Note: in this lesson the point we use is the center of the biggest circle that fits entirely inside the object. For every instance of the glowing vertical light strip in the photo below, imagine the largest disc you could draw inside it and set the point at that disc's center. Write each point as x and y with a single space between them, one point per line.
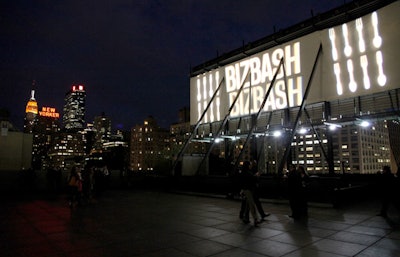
218 100
198 97
361 43
352 82
198 90
377 41
205 88
210 94
205 96
332 37
379 62
364 66
347 47
339 87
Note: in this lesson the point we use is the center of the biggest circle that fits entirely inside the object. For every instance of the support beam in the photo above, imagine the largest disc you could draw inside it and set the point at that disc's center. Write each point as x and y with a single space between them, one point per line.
302 106
251 131
183 149
222 126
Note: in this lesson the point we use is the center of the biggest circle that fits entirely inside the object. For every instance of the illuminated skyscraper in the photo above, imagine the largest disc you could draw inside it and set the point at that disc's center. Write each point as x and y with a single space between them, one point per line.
149 146
102 126
45 131
74 108
31 112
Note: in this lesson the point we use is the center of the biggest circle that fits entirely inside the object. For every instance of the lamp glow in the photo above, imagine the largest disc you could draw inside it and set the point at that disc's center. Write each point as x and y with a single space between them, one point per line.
332 127
365 124
218 140
303 131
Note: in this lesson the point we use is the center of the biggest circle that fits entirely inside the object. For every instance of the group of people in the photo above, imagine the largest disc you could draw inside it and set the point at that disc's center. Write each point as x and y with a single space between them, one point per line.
84 183
298 182
297 179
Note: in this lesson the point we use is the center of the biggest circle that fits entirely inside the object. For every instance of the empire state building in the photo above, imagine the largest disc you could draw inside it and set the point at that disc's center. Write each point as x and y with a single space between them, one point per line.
31 112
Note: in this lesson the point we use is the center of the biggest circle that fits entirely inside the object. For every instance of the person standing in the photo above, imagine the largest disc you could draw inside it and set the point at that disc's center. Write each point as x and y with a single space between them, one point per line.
74 186
87 184
303 203
294 189
386 190
248 186
256 194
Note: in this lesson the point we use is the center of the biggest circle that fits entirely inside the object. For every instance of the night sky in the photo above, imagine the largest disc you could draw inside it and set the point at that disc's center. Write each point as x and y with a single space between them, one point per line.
133 57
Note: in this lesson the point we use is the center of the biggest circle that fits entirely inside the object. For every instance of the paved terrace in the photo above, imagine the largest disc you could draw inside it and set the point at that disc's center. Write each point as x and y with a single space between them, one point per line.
148 223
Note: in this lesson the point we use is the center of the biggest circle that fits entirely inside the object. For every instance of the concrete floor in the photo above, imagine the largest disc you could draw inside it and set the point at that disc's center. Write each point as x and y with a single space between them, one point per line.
145 223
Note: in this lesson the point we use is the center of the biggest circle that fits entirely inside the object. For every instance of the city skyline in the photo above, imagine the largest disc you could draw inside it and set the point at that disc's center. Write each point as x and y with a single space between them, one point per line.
134 59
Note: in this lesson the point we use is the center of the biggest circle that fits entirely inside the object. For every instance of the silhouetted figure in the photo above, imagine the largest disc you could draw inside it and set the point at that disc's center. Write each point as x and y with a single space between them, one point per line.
248 185
397 188
101 179
54 178
28 179
256 195
87 184
51 180
387 184
294 192
74 186
303 202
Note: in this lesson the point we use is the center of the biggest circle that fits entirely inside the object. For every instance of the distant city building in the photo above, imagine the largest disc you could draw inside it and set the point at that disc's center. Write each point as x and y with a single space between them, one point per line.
15 148
394 139
70 145
149 147
355 148
184 115
116 152
182 128
102 128
180 133
31 112
44 133
74 108
90 136
67 149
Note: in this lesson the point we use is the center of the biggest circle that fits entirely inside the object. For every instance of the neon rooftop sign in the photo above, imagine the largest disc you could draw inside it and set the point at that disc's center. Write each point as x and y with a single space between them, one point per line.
49 112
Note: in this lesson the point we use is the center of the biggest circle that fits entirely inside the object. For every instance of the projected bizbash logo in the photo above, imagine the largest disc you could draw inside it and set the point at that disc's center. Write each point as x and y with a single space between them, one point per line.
352 63
357 52
254 75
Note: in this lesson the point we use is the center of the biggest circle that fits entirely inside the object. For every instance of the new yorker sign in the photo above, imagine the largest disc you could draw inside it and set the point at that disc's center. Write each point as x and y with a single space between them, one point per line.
49 112
359 58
